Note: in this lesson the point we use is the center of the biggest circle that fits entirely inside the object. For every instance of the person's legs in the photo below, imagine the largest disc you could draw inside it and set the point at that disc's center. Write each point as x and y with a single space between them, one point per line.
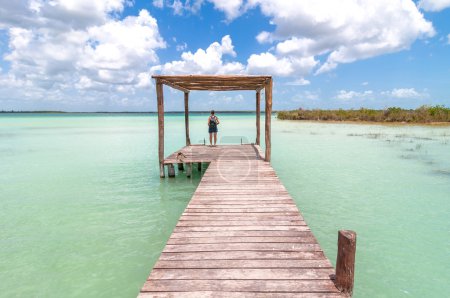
210 138
215 138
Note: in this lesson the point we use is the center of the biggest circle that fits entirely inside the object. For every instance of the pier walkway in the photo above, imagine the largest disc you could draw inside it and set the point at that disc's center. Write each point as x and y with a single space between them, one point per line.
240 235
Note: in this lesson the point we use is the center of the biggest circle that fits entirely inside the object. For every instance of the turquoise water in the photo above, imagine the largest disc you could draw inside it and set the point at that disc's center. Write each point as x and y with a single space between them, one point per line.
83 211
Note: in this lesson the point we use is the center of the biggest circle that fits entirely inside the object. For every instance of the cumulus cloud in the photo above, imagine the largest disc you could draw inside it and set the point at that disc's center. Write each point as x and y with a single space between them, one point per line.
205 61
434 5
347 95
231 8
343 31
70 46
405 93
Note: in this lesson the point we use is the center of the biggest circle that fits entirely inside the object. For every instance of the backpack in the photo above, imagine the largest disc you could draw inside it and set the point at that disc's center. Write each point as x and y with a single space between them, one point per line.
212 122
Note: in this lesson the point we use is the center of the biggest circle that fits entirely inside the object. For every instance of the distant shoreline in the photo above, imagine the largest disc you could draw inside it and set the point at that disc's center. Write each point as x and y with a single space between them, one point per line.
425 115
125 112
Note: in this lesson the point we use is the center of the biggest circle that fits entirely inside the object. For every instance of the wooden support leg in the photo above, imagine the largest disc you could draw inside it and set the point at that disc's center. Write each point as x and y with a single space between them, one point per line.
162 172
171 170
188 169
345 263
180 166
199 166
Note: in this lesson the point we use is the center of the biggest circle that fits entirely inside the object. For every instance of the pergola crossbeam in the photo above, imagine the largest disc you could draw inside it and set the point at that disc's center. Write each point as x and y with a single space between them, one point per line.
175 86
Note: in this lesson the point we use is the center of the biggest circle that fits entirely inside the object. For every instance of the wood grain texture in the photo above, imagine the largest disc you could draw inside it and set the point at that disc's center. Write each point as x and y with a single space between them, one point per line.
241 235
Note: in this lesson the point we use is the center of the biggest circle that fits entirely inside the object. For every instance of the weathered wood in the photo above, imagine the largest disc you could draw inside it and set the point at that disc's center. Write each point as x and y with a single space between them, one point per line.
188 169
180 166
293 286
160 100
174 86
243 255
171 170
241 232
241 273
186 117
345 263
277 263
258 117
268 107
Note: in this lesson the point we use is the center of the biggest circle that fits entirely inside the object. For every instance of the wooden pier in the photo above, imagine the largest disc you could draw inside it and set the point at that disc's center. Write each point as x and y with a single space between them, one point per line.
241 234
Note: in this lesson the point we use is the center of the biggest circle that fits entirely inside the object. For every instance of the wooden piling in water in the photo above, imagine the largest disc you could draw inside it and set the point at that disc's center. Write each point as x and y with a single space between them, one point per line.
180 166
171 170
345 263
188 169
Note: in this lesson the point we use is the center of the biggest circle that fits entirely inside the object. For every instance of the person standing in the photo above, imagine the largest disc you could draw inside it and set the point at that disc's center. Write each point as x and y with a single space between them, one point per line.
213 121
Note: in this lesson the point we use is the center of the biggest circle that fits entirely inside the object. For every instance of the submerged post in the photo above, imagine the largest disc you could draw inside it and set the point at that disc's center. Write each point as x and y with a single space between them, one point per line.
186 117
268 93
345 263
160 100
258 117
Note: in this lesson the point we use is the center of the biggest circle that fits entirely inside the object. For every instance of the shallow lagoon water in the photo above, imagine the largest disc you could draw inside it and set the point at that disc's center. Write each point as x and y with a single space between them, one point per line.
83 211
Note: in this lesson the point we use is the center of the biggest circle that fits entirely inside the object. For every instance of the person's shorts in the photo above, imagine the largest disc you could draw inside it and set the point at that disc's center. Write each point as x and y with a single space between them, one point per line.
212 129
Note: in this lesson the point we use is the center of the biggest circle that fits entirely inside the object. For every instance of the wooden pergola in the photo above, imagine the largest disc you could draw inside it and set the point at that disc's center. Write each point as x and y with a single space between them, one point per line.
186 83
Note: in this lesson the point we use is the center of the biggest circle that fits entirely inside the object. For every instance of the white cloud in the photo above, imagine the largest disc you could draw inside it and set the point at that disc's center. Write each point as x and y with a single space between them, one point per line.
347 95
71 47
405 93
181 47
343 31
231 8
158 3
299 82
204 61
267 63
433 5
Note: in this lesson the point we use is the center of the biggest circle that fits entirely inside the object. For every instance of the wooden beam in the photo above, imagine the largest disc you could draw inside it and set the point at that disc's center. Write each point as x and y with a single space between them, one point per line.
186 117
268 94
258 117
345 263
175 86
160 100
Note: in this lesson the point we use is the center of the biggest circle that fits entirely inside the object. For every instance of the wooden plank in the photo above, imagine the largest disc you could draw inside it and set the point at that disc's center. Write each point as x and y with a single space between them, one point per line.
242 228
242 240
302 286
208 234
211 223
243 255
243 246
275 263
224 294
242 273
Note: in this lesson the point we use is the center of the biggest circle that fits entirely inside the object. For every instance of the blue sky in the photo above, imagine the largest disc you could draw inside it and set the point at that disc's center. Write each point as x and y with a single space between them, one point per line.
84 55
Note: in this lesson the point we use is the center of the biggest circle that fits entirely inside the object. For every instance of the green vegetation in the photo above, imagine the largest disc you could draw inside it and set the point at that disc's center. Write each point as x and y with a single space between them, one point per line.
424 114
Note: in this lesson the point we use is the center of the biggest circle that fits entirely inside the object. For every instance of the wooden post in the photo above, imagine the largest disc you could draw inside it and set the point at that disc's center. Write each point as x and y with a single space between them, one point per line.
345 263
171 170
180 166
258 117
160 99
186 117
199 166
188 169
268 92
